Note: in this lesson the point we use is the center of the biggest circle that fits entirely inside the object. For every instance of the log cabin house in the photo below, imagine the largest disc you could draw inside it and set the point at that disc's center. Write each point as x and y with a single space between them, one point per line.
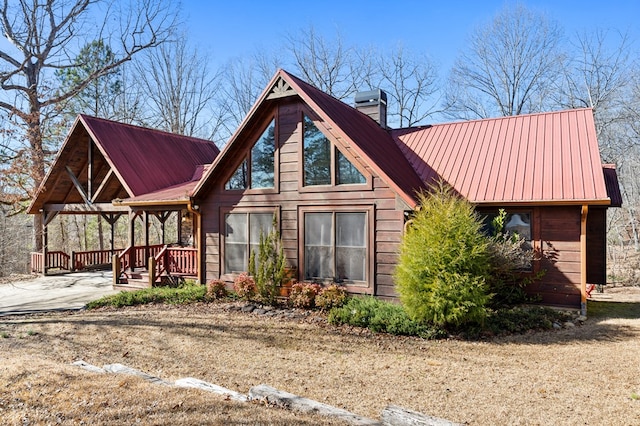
341 185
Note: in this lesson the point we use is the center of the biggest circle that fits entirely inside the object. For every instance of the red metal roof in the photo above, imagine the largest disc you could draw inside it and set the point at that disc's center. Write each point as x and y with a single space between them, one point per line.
538 158
176 194
147 160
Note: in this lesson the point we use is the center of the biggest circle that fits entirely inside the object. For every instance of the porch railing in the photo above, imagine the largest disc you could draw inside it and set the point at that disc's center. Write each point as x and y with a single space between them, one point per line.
87 259
139 254
55 260
177 261
37 262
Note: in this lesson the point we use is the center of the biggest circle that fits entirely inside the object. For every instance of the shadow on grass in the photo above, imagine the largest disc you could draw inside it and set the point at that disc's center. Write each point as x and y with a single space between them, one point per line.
599 310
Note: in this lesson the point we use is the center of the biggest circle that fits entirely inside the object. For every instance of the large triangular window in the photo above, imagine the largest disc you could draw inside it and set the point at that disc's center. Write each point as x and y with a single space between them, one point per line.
257 171
320 166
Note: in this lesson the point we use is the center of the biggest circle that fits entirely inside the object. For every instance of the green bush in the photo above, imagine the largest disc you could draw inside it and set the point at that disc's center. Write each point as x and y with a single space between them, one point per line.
185 294
380 316
520 319
268 265
443 266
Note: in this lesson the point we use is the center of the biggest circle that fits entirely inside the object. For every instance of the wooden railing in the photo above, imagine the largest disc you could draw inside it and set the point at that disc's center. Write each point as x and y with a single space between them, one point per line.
87 259
139 254
57 260
37 262
175 261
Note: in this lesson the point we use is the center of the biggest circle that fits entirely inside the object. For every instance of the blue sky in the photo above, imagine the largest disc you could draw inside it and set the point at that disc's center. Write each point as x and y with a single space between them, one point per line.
236 28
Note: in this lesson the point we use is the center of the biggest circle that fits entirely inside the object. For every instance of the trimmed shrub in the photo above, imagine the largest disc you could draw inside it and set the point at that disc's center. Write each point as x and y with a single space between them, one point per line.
443 265
176 296
332 296
303 295
244 286
268 265
216 290
381 317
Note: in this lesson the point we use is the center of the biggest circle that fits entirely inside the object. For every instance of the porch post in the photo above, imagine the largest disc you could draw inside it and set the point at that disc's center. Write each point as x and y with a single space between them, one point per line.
132 239
179 222
583 260
146 239
45 244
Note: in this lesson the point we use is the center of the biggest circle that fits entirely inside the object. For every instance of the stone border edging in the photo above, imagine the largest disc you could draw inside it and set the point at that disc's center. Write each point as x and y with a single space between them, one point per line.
293 402
391 416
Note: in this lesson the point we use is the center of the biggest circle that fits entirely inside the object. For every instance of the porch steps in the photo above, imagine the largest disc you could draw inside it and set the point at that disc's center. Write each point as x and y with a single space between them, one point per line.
131 281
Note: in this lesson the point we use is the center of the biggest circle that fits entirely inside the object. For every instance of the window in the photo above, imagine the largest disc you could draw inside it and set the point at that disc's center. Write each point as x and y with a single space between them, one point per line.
241 236
515 223
317 167
335 246
258 170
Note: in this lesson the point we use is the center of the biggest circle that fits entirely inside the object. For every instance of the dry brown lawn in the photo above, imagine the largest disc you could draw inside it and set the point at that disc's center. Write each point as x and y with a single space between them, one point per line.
586 375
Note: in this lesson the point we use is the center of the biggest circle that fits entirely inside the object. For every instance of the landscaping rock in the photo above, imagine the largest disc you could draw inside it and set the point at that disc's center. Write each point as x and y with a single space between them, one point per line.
248 308
123 369
568 324
296 403
190 382
398 416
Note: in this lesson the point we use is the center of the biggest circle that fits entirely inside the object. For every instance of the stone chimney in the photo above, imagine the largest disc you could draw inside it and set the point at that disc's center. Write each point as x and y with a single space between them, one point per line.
374 104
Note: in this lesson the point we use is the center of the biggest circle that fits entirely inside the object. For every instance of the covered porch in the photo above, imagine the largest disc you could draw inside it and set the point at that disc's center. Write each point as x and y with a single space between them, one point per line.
119 173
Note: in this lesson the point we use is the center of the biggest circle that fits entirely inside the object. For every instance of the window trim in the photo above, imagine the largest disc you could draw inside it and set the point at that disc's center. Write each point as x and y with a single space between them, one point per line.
224 211
345 151
246 156
368 284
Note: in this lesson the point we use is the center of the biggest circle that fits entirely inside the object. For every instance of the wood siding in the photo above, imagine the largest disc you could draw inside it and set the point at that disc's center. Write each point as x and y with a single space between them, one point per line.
559 235
290 201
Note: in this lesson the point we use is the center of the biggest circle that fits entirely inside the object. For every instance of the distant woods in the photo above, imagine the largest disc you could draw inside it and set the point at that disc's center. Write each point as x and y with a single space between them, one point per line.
66 58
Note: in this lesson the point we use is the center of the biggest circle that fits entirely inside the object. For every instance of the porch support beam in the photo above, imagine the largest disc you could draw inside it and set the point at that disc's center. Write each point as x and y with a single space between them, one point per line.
583 260
104 183
85 208
78 186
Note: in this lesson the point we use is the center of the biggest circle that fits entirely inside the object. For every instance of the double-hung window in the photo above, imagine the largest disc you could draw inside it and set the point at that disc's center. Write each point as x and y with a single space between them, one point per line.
241 236
335 246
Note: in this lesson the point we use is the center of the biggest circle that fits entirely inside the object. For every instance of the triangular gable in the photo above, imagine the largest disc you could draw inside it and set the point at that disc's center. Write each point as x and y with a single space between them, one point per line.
128 161
70 170
147 159
372 143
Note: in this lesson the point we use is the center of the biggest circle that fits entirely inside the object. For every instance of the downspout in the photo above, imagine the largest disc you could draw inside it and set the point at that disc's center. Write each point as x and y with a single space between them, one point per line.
197 220
583 260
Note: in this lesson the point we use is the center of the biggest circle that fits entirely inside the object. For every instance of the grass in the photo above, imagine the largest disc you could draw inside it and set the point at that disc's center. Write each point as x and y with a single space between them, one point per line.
342 366
188 293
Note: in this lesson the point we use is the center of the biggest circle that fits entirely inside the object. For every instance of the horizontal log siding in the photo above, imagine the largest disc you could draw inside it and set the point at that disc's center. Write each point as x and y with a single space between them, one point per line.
559 234
387 217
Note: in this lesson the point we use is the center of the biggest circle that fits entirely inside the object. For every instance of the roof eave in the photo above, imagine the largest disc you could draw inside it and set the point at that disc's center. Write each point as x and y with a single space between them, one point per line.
541 203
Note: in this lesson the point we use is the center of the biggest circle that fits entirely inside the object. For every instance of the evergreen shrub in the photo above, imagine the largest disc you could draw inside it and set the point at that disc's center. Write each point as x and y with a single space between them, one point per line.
443 266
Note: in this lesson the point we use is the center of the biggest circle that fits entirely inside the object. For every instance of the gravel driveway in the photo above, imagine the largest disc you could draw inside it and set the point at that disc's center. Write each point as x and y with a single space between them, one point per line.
54 293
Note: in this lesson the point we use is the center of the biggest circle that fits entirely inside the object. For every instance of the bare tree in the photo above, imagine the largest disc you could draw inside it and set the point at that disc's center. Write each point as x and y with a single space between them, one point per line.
180 89
44 36
410 81
329 65
508 68
243 81
597 76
